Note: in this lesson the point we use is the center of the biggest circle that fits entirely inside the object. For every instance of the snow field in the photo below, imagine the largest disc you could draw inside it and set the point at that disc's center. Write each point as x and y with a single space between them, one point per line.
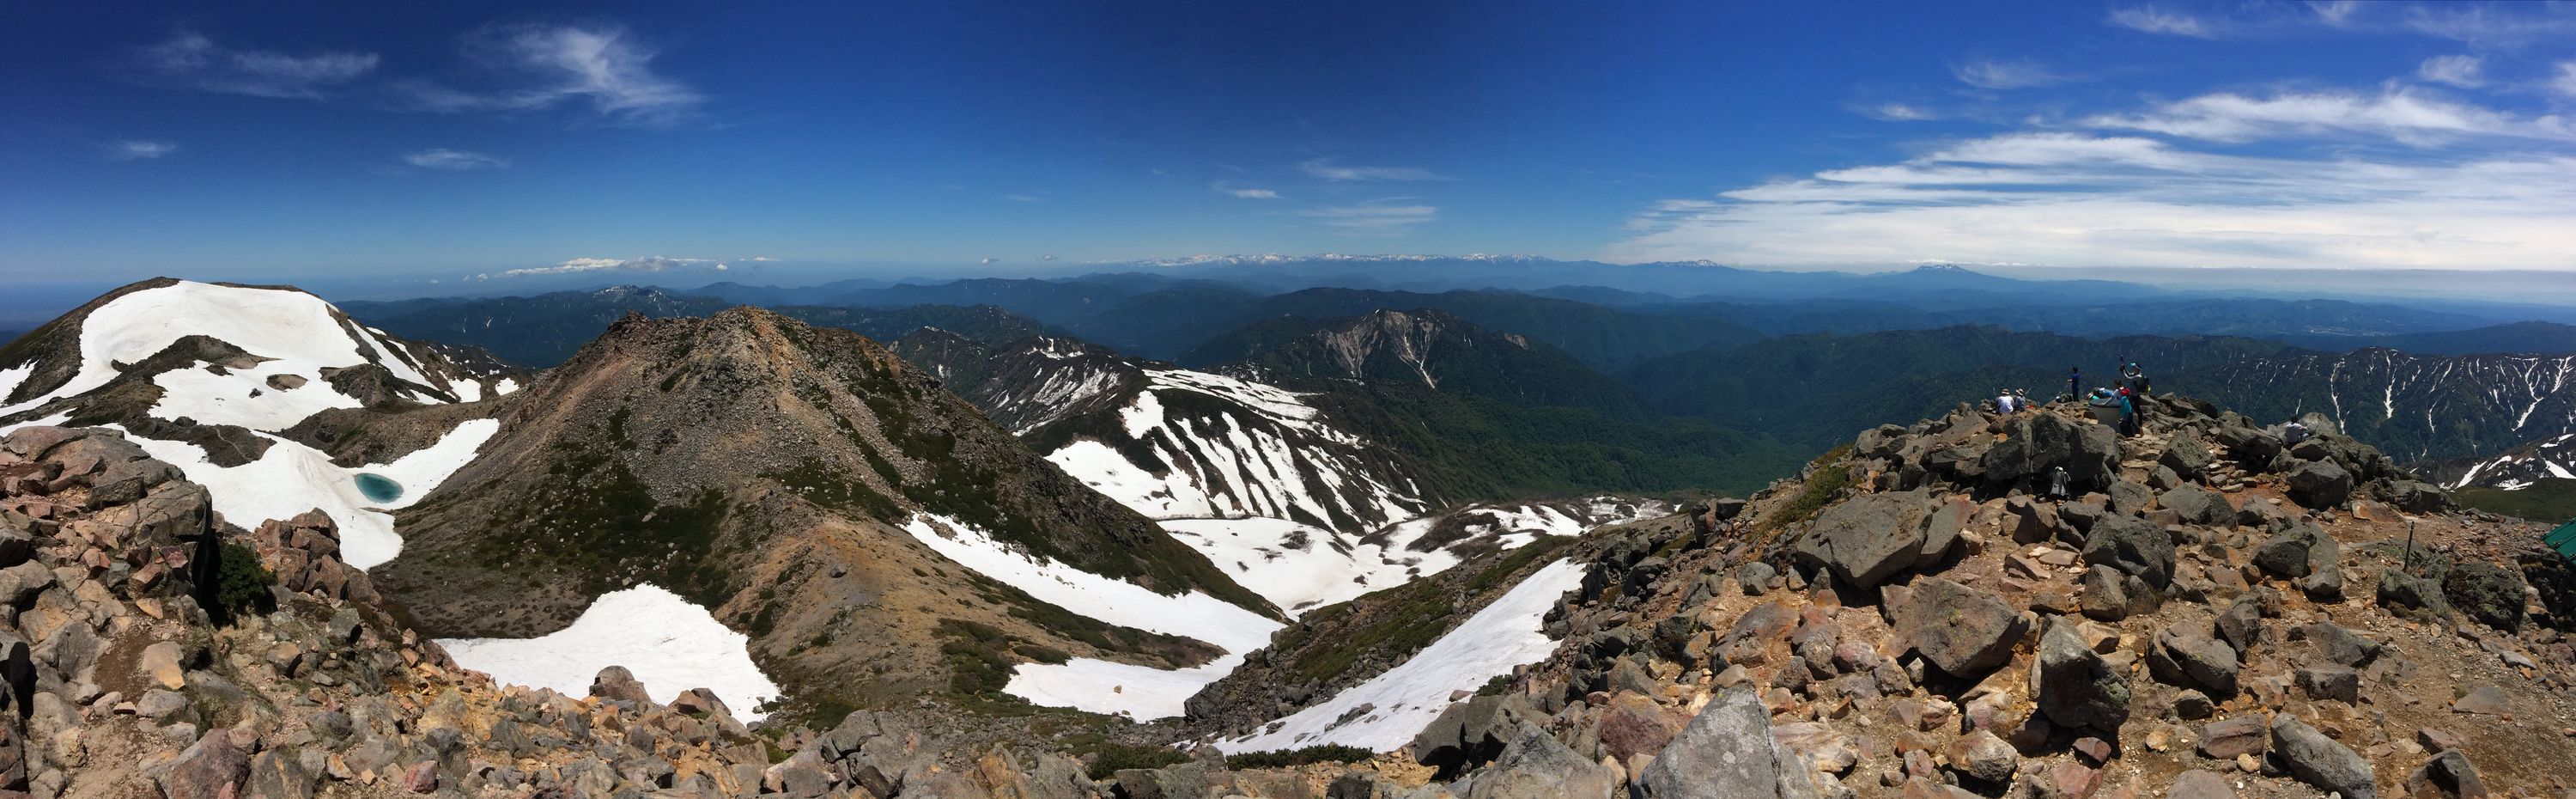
292 478
1090 684
669 644
1406 698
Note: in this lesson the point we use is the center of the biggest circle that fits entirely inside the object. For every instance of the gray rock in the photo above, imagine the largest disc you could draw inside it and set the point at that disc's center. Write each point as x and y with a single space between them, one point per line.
2408 595
2104 595
1536 766
2339 645
2132 545
2198 506
2485 593
2416 496
1727 752
1964 631
2289 553
2186 457
616 684
1983 757
1470 733
2320 485
1868 539
2129 497
2035 443
1756 577
278 774
204 769
2330 681
2224 739
2183 655
2447 776
2319 761
2075 687
2198 784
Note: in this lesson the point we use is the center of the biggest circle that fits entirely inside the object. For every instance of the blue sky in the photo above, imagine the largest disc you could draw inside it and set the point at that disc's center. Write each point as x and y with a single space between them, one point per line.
290 141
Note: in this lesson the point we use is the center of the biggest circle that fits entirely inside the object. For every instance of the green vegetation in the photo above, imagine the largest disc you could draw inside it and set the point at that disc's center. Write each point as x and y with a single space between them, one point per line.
978 659
1410 616
2550 501
1474 448
241 583
1113 757
1827 479
1499 685
1285 758
594 518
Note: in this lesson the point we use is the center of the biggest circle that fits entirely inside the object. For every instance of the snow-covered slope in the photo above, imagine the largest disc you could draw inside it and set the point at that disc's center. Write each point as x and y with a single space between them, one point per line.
2520 467
185 368
1387 711
1301 568
1102 686
670 646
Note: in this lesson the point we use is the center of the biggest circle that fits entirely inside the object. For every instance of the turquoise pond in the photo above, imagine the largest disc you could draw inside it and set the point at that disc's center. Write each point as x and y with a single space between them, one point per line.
379 488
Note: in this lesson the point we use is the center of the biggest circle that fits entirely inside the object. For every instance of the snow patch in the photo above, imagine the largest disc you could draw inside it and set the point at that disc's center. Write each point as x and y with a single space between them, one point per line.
669 644
12 376
292 478
48 421
1089 684
1406 698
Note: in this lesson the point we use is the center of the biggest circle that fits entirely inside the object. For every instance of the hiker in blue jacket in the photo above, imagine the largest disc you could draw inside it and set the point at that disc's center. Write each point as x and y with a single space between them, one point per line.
2075 383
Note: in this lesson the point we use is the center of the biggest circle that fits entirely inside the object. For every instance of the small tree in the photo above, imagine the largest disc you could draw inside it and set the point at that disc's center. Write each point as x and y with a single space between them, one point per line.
241 583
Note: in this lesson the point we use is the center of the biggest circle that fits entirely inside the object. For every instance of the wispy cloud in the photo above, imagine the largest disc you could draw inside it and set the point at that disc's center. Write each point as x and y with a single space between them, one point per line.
606 67
1898 112
2401 114
2494 24
2072 199
2565 82
2022 74
2336 13
1240 191
1329 169
1023 198
2153 19
2464 71
190 60
451 160
1390 216
139 150
649 263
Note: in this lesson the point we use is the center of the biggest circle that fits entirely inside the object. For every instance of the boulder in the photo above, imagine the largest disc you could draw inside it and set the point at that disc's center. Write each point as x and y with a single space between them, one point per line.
1983 757
2184 655
616 684
1868 539
2075 687
277 774
1964 631
2035 443
2330 681
1726 752
2227 738
2319 761
2320 485
1635 724
2416 496
2199 784
2186 457
2485 593
2130 497
2447 776
1536 766
2339 645
2132 545
1470 733
1755 577
2289 553
212 767
2199 506
2408 595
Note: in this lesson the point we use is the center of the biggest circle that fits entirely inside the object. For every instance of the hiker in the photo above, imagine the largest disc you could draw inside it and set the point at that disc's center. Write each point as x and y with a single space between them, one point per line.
2075 383
2133 378
2056 484
2021 399
2129 425
2004 401
2295 432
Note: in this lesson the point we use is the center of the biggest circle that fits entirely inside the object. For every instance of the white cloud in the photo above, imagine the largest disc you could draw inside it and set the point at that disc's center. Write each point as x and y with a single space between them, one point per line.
988 261
2071 199
2402 114
1382 217
604 66
2494 25
139 150
2336 13
2464 71
451 160
2152 19
649 263
1898 112
2023 74
1253 194
191 60
2565 83
1327 169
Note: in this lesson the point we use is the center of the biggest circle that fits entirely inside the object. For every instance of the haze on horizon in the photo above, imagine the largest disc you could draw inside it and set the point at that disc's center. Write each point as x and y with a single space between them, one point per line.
498 145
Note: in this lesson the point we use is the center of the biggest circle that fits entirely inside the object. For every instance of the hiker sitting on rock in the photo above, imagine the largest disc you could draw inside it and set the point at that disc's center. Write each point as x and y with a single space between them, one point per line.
2295 432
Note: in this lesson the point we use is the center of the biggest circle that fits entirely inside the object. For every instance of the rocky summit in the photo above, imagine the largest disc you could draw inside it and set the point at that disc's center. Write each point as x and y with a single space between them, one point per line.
2217 610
